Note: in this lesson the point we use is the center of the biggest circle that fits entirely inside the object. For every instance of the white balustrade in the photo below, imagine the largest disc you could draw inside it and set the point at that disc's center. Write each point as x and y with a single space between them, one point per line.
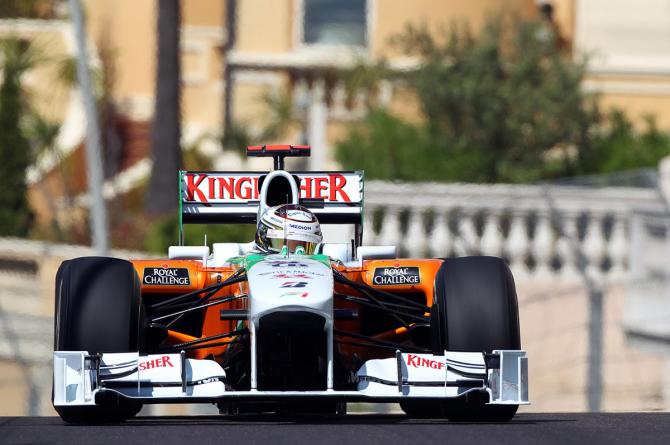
543 245
518 245
536 228
360 101
338 101
492 237
390 233
440 240
467 242
594 247
618 247
369 235
567 247
416 241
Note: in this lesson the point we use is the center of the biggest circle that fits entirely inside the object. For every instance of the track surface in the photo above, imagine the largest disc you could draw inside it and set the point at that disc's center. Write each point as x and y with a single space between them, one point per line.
591 429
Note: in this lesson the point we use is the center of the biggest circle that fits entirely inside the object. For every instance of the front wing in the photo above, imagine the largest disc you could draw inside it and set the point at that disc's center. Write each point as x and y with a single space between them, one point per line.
172 378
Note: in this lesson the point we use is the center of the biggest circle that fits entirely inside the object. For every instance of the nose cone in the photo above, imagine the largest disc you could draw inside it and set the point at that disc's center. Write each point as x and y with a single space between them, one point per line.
294 283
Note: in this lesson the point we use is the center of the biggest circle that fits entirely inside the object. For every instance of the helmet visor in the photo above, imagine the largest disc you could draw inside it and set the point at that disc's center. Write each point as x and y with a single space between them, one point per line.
276 245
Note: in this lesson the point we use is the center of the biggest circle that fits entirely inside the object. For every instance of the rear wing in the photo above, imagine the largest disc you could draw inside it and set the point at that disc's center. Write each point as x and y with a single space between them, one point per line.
233 197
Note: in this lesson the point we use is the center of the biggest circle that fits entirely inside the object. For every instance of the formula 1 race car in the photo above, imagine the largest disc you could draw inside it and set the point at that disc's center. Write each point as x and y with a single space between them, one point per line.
287 332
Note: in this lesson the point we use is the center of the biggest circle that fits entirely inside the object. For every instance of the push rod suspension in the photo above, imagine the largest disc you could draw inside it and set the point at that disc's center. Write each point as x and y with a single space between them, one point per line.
200 306
364 302
378 303
200 346
362 287
235 278
207 339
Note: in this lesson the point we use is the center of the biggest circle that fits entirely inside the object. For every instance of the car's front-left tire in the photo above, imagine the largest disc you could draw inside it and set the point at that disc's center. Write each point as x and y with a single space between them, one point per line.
98 310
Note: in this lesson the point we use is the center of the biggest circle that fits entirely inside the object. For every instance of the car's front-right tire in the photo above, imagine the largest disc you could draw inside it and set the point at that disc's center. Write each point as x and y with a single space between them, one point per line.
477 310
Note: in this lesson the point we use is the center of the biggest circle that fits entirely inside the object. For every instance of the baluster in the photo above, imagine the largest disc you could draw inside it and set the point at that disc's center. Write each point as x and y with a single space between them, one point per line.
440 239
339 98
415 241
385 93
543 246
459 247
517 245
390 231
594 246
568 246
492 238
618 247
369 235
360 102
301 93
468 234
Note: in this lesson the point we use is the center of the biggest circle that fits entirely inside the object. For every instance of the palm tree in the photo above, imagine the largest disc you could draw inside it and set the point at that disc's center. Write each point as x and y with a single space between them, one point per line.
17 58
166 131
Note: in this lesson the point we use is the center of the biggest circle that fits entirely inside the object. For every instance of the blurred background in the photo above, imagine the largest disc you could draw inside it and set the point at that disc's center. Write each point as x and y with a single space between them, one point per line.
533 130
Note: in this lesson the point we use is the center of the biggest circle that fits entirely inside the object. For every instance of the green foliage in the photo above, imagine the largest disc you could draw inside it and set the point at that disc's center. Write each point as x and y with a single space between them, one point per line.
41 133
404 148
15 151
621 148
505 105
25 8
67 70
165 233
282 116
237 137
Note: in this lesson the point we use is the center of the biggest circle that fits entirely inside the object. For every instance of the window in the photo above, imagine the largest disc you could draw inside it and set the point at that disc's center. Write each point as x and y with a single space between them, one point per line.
334 22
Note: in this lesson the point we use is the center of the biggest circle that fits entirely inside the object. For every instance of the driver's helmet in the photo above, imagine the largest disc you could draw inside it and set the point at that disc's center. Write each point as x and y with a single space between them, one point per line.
289 225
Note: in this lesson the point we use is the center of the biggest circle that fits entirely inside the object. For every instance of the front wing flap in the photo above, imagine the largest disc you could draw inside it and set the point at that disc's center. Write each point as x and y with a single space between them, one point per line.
173 378
503 374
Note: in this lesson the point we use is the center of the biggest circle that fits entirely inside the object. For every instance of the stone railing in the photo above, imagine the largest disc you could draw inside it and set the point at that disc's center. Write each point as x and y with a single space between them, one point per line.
543 231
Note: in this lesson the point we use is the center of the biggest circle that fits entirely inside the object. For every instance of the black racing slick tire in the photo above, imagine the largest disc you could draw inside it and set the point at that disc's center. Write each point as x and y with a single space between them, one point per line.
477 310
98 309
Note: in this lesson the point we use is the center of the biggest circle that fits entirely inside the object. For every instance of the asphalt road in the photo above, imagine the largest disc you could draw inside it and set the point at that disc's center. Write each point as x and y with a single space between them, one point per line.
591 429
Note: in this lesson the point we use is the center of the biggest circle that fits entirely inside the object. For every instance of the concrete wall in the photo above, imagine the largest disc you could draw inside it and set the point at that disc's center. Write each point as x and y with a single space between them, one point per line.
554 330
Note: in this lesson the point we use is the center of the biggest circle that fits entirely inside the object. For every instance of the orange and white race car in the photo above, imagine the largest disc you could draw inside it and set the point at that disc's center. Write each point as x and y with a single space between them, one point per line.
291 330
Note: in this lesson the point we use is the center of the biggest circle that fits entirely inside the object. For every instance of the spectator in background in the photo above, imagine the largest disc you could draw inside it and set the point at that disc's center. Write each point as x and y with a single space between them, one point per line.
550 30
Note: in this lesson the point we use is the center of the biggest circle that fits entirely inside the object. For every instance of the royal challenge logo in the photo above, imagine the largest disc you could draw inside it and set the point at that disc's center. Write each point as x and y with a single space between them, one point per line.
393 276
166 276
